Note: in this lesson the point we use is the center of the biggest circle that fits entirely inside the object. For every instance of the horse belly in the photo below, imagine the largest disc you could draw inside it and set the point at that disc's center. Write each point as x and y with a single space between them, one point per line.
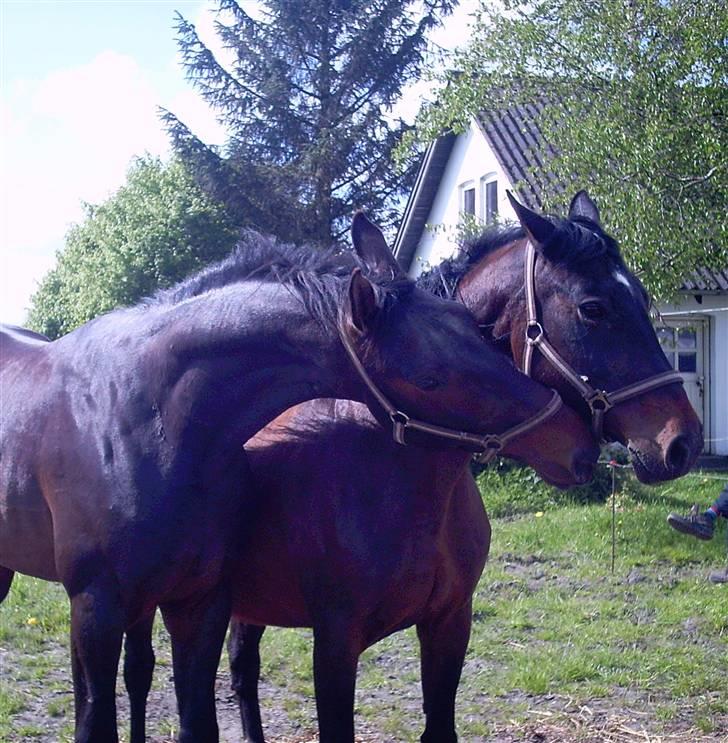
267 581
26 538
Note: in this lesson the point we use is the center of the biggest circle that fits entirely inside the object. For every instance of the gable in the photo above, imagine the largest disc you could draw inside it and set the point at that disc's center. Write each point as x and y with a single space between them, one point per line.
456 169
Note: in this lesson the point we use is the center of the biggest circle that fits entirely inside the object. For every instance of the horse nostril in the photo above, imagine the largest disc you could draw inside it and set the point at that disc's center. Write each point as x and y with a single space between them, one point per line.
678 455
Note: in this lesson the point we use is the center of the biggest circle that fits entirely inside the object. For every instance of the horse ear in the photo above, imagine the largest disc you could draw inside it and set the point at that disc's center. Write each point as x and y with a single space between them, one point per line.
538 228
363 304
371 246
582 206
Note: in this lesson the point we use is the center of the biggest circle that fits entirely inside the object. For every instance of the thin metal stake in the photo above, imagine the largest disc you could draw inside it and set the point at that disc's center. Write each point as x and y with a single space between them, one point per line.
614 515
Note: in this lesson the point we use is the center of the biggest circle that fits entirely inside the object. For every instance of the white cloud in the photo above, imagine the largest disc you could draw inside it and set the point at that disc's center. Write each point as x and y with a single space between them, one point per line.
70 137
73 135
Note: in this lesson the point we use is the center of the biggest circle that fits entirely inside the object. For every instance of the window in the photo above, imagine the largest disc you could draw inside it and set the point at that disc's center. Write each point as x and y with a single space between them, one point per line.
680 346
467 198
491 201
489 198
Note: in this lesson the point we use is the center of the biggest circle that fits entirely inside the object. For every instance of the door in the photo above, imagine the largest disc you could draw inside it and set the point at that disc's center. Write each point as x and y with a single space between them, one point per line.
684 344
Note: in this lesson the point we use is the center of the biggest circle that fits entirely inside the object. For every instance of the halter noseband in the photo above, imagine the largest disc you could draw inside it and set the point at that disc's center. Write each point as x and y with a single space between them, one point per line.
485 446
599 401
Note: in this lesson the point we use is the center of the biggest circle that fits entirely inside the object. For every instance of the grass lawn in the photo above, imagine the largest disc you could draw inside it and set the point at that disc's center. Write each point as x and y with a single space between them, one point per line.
562 648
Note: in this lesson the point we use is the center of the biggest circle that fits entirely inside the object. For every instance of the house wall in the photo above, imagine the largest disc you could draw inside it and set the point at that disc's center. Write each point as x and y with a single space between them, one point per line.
471 159
713 309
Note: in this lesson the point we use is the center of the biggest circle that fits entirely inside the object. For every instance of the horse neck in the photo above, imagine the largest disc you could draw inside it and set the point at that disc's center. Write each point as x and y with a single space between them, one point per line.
237 364
425 478
492 290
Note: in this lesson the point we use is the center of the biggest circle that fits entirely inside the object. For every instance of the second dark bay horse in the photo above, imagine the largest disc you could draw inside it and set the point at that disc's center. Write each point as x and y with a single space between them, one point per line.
360 546
122 472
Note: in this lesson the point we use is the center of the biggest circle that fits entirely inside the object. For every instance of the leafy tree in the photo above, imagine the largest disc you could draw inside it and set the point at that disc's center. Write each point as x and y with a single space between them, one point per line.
637 109
305 105
152 232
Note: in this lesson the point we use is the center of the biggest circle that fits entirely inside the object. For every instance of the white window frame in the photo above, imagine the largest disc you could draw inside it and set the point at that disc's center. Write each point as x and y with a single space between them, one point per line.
462 189
484 181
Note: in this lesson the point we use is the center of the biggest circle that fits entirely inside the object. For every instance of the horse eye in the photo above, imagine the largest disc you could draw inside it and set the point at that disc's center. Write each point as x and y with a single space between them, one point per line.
428 383
592 311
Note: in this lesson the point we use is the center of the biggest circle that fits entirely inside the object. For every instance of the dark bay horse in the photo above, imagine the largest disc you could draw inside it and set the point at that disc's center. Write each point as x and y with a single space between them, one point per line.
360 546
122 473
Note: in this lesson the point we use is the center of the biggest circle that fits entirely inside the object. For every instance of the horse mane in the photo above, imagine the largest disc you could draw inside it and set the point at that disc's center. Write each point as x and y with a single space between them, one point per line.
574 242
318 275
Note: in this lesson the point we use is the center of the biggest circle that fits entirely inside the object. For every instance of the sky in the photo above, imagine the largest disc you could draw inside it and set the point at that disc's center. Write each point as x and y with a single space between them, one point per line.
80 83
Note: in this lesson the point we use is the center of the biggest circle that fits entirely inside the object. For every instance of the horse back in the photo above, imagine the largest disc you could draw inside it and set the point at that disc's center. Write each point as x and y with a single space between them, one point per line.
17 342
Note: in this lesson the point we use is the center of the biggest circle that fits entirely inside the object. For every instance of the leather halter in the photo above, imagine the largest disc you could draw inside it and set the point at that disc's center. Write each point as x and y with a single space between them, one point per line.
599 401
485 446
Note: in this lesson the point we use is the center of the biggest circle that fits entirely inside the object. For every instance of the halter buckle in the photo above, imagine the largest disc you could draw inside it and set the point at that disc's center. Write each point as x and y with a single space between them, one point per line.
598 401
534 325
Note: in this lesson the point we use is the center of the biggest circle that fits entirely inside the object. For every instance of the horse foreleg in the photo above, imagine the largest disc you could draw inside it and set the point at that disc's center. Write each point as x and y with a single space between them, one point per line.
97 627
6 578
197 630
244 653
443 643
336 650
138 672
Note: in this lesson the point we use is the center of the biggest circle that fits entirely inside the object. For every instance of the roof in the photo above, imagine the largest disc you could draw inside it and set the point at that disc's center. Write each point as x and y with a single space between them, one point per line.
521 149
705 281
422 197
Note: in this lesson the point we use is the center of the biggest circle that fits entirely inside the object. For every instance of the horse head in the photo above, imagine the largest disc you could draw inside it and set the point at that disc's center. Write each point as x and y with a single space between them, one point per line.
593 313
429 359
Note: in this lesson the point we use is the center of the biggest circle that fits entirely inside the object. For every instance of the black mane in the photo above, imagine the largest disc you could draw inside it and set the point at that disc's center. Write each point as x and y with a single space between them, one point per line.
574 243
318 275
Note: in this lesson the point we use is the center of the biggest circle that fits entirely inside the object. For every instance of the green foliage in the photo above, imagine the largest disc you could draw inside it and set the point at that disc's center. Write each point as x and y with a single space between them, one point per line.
155 230
509 489
636 105
306 105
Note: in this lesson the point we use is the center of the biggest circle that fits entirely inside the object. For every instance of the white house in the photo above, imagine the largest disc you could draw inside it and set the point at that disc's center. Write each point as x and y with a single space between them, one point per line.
469 174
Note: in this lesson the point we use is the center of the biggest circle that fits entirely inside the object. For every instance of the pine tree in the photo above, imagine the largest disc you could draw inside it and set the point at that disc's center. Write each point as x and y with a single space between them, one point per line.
305 105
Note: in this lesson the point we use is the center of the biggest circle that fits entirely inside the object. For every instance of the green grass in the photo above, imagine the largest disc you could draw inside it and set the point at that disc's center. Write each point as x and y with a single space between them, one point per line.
554 628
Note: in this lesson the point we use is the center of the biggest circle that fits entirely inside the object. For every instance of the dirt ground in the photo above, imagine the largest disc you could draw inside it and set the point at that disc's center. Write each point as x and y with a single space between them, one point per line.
551 718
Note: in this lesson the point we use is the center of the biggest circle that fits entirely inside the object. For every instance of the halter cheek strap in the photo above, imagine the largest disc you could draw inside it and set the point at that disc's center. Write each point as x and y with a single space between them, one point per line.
599 401
486 446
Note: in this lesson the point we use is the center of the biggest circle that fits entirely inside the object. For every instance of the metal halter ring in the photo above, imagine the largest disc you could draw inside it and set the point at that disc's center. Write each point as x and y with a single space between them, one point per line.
400 421
492 445
399 418
534 325
599 401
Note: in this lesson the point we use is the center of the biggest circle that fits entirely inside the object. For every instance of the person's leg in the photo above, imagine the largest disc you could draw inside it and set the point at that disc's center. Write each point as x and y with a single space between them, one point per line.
720 506
697 524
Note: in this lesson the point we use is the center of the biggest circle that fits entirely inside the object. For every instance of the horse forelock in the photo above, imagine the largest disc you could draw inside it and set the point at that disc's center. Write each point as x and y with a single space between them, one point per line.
578 241
574 244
